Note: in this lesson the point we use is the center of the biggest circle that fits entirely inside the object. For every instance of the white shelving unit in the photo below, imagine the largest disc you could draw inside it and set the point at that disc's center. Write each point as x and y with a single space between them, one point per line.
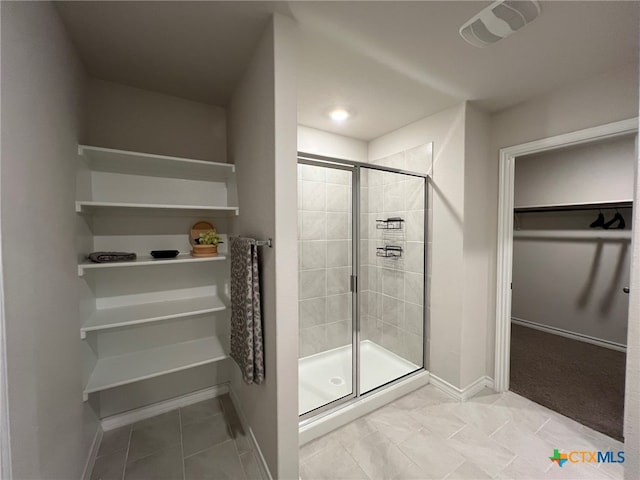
145 261
107 318
91 207
114 181
136 163
138 202
119 370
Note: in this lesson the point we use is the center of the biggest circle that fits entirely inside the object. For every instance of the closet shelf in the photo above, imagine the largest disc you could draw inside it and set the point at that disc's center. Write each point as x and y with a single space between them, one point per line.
613 235
115 371
107 318
144 261
137 163
573 206
90 207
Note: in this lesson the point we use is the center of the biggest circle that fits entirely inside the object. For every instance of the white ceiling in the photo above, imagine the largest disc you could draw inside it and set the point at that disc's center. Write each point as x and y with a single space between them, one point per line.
390 62
193 50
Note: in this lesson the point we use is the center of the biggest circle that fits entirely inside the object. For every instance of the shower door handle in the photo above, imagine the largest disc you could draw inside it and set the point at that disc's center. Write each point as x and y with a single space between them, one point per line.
354 283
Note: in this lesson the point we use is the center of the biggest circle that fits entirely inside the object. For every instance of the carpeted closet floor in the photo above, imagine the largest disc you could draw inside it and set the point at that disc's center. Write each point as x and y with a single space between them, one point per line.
579 380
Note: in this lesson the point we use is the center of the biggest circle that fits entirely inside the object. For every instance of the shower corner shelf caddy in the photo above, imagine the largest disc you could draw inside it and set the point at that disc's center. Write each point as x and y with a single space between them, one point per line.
389 251
97 166
394 223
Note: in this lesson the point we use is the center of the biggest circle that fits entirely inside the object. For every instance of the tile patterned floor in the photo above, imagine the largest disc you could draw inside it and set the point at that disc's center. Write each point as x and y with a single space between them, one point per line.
204 440
427 435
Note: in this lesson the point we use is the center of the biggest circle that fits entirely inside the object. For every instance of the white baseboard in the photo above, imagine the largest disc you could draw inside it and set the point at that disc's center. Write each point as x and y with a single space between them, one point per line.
262 463
132 416
572 335
93 454
461 394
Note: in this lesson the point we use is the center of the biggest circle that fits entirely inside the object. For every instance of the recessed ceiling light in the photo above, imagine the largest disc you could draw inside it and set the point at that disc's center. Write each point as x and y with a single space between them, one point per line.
339 115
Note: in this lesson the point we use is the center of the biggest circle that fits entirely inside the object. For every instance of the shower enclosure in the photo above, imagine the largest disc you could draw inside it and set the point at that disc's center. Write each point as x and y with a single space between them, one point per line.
362 277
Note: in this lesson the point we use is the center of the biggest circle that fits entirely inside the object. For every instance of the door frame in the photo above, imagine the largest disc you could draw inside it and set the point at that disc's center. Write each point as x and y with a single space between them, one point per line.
505 227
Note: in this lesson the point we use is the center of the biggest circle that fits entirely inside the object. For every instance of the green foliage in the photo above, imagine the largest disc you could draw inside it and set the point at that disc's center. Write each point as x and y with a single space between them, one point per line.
210 237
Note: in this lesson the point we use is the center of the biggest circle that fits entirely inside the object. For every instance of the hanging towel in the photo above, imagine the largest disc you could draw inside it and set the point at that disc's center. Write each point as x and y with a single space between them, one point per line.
246 320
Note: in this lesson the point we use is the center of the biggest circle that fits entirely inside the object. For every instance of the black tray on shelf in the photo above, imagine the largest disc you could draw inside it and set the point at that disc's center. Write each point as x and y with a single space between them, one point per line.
164 253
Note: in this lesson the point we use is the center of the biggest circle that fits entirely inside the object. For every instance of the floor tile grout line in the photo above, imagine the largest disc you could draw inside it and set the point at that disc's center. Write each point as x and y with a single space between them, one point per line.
184 474
356 462
208 448
345 446
541 426
405 455
510 462
126 456
235 446
497 430
315 453
457 431
208 417
464 460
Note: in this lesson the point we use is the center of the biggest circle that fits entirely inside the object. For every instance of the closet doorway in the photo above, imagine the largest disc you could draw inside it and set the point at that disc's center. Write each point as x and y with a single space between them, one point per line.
562 321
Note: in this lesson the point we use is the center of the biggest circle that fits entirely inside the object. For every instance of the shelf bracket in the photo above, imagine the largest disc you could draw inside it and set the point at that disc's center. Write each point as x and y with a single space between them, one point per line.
85 397
83 334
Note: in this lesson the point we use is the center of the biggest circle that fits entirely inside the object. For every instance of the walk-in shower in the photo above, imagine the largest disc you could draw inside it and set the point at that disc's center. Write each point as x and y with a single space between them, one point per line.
362 266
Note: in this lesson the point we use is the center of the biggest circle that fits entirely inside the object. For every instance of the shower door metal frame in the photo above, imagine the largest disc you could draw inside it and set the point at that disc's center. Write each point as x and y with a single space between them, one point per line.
355 168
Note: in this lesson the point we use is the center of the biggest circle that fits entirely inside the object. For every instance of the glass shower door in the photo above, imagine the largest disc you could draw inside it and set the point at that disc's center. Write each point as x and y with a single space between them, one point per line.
326 363
392 276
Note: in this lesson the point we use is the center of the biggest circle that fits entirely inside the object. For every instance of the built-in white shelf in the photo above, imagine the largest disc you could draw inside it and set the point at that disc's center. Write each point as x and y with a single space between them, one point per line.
111 372
89 207
612 235
574 206
143 261
106 318
137 163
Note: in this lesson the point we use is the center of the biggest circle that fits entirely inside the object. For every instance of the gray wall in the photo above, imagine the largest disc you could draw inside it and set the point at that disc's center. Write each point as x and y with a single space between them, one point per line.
478 232
566 275
42 90
265 159
597 172
128 118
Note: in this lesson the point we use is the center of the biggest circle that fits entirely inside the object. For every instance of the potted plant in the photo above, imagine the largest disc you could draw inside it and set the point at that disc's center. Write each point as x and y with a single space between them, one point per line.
206 244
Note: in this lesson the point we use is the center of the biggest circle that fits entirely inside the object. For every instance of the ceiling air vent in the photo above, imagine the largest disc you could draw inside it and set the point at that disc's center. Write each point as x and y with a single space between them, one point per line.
498 21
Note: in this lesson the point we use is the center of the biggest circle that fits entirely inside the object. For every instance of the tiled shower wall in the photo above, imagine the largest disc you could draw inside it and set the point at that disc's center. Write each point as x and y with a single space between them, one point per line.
391 291
392 294
324 223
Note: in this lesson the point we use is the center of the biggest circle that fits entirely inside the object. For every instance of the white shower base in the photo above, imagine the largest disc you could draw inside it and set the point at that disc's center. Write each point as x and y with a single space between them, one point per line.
326 376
